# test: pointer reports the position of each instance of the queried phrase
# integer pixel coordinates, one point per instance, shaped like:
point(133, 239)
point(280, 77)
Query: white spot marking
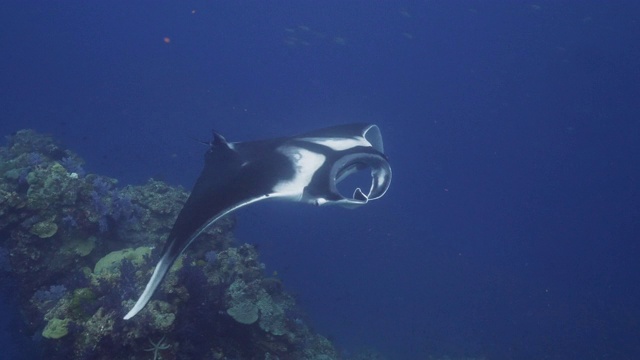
point(305, 163)
point(339, 144)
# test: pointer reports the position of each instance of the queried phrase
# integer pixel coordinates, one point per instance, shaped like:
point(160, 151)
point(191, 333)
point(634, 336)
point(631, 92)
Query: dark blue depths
point(512, 128)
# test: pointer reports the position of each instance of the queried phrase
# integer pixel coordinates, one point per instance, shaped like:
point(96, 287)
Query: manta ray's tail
point(159, 273)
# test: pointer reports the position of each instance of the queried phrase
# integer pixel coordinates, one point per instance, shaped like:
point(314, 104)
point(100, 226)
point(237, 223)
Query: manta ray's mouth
point(356, 176)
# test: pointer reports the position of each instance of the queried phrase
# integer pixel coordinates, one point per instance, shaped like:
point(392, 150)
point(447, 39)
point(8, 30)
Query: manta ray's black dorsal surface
point(304, 168)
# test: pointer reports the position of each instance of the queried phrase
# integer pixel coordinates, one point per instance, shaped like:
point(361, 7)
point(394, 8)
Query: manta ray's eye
point(354, 177)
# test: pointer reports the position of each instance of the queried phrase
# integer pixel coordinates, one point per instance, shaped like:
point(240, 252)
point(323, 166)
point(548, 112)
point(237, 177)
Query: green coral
point(79, 246)
point(56, 328)
point(272, 315)
point(44, 229)
point(112, 261)
point(160, 198)
point(162, 316)
point(50, 186)
point(27, 140)
point(80, 297)
point(251, 302)
point(245, 312)
point(98, 326)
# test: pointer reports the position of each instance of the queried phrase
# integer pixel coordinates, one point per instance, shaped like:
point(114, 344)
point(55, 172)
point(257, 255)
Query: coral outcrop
point(80, 249)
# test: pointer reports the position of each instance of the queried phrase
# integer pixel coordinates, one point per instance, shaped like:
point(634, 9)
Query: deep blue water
point(513, 128)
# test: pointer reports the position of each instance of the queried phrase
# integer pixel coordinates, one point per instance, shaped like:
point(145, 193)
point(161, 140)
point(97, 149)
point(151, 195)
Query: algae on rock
point(56, 328)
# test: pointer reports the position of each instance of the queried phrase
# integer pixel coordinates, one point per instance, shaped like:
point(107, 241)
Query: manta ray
point(304, 168)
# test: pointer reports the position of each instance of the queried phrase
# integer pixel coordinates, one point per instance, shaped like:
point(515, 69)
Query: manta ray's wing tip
point(158, 274)
point(136, 308)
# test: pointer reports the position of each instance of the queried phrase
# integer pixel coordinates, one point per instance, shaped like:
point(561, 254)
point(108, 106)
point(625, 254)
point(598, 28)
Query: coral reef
point(81, 249)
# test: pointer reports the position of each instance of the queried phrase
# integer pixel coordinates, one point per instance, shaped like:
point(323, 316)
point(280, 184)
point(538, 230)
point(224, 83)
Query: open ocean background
point(512, 227)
